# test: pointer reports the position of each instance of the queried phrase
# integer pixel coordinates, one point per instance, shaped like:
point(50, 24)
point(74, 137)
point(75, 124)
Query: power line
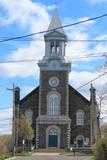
point(91, 81)
point(69, 40)
point(64, 26)
point(68, 58)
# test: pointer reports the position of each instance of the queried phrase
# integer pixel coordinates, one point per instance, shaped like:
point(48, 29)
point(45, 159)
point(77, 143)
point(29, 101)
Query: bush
point(5, 144)
point(3, 148)
point(99, 149)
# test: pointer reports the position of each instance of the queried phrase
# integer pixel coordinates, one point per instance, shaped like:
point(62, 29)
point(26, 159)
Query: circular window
point(54, 82)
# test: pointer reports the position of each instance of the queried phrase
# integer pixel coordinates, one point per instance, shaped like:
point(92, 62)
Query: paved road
point(55, 157)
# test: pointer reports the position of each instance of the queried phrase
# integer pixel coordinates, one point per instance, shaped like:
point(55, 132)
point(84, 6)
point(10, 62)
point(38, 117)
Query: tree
point(100, 150)
point(104, 130)
point(5, 143)
point(25, 130)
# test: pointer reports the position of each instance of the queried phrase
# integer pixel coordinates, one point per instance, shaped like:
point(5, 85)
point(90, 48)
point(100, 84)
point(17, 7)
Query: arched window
point(53, 131)
point(80, 117)
point(52, 48)
point(53, 104)
point(57, 48)
point(28, 115)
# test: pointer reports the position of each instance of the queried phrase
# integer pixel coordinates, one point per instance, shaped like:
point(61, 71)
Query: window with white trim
point(80, 118)
point(28, 115)
point(53, 102)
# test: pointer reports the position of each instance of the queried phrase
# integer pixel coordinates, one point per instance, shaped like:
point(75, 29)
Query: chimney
point(92, 95)
point(17, 95)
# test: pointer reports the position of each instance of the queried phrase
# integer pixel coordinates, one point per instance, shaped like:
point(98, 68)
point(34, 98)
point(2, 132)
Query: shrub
point(99, 149)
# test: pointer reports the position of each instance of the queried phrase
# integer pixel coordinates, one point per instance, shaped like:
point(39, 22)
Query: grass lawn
point(27, 154)
point(3, 157)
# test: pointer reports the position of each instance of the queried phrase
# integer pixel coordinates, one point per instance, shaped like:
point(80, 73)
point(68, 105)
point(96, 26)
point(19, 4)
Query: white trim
point(68, 135)
point(47, 135)
point(37, 136)
point(77, 138)
point(48, 104)
point(51, 82)
point(80, 117)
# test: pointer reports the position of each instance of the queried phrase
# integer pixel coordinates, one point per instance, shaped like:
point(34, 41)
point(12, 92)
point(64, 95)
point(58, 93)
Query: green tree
point(104, 130)
point(25, 130)
point(101, 145)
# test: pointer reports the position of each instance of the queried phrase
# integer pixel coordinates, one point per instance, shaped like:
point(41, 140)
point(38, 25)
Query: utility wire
point(91, 81)
point(69, 40)
point(64, 26)
point(68, 58)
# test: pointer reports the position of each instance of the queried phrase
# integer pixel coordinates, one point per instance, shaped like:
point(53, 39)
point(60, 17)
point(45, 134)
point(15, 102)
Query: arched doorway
point(80, 141)
point(53, 137)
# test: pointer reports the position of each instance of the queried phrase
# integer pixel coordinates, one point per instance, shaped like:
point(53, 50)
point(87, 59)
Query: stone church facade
point(59, 114)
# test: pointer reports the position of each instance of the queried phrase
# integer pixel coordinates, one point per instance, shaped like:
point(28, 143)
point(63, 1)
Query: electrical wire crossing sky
point(22, 45)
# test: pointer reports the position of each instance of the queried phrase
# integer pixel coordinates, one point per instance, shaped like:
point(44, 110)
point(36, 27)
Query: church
point(59, 114)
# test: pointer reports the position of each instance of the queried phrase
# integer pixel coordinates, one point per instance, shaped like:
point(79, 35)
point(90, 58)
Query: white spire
point(55, 22)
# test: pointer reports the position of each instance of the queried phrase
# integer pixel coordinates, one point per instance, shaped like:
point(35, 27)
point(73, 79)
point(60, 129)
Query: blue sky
point(21, 17)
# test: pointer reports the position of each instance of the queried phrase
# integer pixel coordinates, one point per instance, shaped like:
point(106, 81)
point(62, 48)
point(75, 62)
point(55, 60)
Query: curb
point(45, 154)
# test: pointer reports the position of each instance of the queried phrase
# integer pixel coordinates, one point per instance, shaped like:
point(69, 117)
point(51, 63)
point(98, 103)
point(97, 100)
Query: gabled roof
point(29, 95)
point(79, 94)
point(55, 23)
point(70, 88)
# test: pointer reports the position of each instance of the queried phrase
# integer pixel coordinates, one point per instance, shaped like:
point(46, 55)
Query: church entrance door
point(80, 143)
point(53, 138)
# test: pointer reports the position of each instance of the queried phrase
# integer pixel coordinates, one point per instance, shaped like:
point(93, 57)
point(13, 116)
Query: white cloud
point(24, 13)
point(6, 121)
point(78, 79)
point(34, 17)
point(78, 32)
point(34, 50)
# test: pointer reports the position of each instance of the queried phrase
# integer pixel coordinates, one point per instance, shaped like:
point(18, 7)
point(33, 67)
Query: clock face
point(53, 81)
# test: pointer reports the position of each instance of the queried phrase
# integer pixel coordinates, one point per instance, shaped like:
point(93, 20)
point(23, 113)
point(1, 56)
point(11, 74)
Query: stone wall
point(76, 102)
point(45, 88)
point(31, 101)
point(42, 135)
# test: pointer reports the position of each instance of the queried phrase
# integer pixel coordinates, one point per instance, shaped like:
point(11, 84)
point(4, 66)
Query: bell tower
point(53, 122)
point(55, 39)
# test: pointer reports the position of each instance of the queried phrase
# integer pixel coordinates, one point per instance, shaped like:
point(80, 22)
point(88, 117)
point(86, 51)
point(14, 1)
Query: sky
point(22, 17)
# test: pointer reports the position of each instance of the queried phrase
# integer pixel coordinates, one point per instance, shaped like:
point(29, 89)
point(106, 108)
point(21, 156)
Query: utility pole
point(13, 119)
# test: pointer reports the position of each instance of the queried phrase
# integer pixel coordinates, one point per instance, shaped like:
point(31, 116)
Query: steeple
point(55, 44)
point(55, 22)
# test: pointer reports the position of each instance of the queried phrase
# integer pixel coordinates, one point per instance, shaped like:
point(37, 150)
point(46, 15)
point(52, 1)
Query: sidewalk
point(45, 154)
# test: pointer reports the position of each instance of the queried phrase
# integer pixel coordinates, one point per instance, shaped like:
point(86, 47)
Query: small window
point(28, 115)
point(80, 117)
